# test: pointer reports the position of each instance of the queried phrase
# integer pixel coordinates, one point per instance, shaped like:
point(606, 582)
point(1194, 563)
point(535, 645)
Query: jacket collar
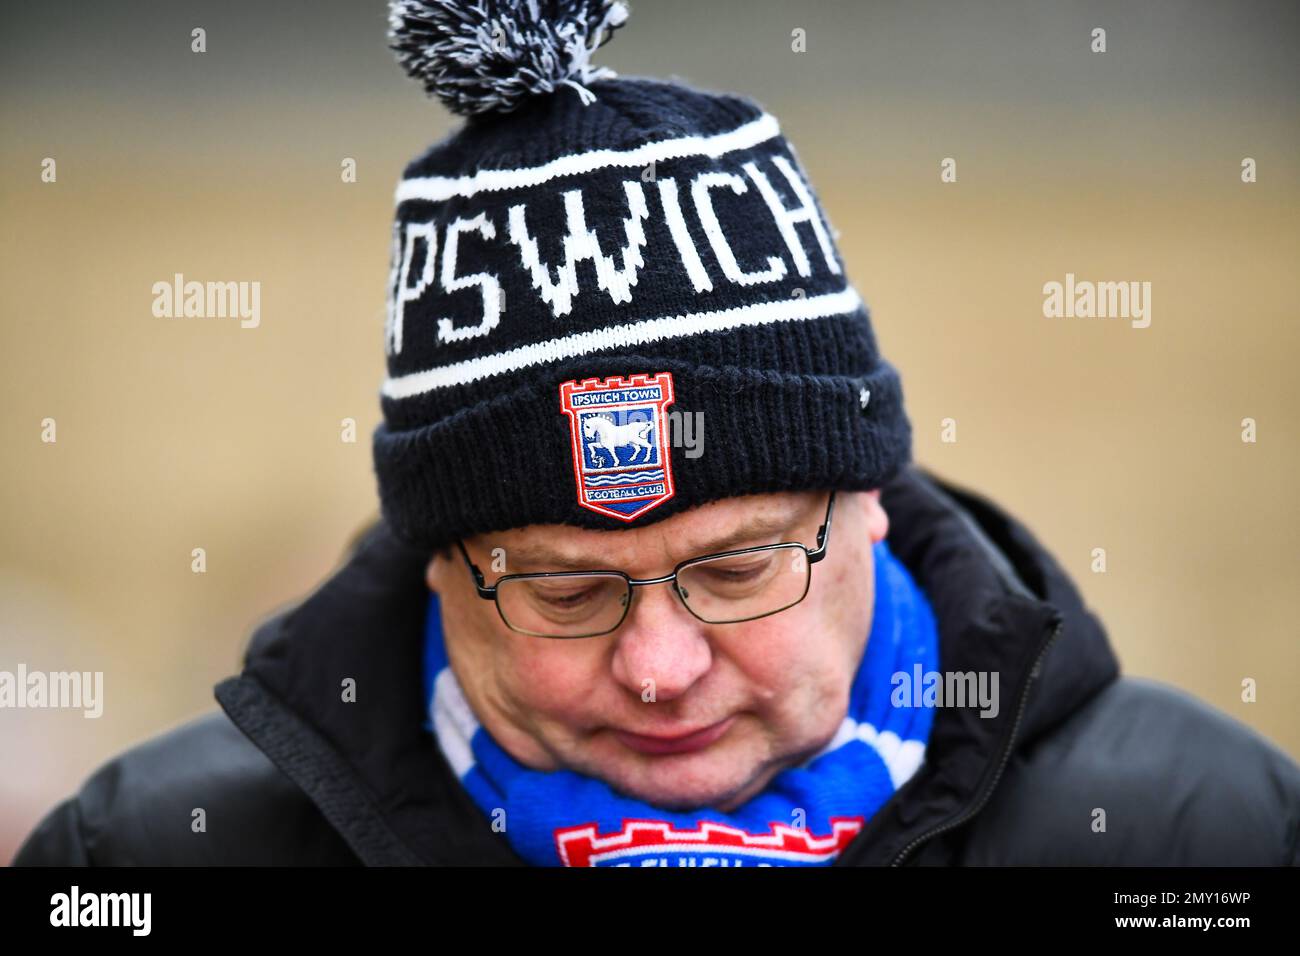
point(1001, 603)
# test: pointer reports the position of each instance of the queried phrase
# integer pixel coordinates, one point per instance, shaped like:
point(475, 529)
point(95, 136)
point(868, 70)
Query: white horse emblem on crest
point(601, 433)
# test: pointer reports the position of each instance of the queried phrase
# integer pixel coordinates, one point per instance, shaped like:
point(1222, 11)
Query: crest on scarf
point(659, 843)
point(619, 441)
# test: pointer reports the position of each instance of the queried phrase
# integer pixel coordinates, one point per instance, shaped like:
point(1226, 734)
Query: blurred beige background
point(176, 434)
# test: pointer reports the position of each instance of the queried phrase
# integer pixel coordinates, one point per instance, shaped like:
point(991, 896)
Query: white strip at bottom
point(622, 336)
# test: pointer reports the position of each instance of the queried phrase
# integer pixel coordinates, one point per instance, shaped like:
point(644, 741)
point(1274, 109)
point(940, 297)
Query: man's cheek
point(773, 659)
point(546, 685)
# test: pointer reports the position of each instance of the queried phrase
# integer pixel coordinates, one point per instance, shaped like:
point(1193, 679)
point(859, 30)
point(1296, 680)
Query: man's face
point(772, 691)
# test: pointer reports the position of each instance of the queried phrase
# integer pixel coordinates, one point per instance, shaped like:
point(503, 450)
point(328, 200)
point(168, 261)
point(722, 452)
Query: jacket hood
point(1001, 602)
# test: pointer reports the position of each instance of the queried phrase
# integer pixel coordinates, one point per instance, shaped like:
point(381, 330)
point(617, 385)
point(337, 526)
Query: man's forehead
point(716, 526)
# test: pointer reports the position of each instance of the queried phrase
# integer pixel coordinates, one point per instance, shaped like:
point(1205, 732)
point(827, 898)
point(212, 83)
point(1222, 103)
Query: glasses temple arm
point(823, 532)
point(488, 593)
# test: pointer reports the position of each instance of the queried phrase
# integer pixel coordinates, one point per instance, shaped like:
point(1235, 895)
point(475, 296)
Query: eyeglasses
point(723, 588)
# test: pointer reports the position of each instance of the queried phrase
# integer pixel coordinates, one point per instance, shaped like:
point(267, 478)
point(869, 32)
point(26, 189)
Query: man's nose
point(661, 649)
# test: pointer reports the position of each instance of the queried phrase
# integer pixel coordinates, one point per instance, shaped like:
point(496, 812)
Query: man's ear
point(441, 562)
point(433, 570)
point(877, 519)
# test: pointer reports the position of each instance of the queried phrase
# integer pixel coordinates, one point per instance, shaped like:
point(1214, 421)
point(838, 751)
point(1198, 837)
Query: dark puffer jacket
point(289, 774)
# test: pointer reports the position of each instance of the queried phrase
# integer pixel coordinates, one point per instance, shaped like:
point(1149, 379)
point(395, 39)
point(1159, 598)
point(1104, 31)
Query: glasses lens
point(564, 605)
point(738, 587)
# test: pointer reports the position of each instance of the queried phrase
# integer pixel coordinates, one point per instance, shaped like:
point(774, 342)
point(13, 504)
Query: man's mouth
point(676, 744)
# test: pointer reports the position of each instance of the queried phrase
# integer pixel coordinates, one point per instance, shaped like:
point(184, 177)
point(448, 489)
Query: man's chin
point(685, 801)
point(722, 776)
point(682, 788)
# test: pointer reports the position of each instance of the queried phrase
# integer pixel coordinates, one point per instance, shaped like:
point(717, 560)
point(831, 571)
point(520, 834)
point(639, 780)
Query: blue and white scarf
point(805, 816)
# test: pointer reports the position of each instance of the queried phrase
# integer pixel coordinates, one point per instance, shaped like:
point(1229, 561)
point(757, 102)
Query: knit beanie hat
point(611, 299)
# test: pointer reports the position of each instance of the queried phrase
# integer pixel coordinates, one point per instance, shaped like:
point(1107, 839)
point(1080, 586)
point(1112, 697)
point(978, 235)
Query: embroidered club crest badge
point(618, 430)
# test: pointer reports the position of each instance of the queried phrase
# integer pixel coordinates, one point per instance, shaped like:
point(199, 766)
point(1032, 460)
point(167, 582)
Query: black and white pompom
point(491, 55)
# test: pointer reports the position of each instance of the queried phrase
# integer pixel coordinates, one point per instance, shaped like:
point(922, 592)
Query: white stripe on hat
point(438, 188)
point(622, 336)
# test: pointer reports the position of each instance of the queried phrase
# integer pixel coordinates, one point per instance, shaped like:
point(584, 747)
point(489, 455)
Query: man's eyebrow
point(545, 557)
point(764, 527)
point(542, 558)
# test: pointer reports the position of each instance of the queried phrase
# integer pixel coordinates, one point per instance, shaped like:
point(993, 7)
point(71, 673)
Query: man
point(656, 583)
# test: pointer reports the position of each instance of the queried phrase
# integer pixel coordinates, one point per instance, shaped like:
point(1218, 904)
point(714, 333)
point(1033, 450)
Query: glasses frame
point(813, 555)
